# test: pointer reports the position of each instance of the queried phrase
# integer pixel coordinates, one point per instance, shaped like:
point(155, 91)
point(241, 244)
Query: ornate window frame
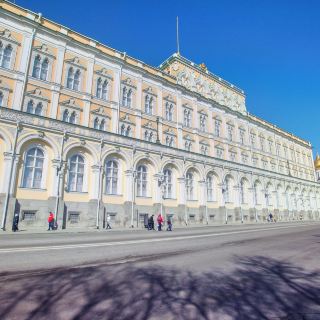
point(44, 53)
point(128, 85)
point(70, 105)
point(37, 97)
point(4, 88)
point(7, 39)
point(76, 65)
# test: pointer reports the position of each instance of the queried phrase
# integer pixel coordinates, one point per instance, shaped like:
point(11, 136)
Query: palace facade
point(88, 131)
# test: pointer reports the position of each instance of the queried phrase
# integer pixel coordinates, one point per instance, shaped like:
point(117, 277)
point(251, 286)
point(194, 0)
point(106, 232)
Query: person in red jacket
point(160, 221)
point(50, 221)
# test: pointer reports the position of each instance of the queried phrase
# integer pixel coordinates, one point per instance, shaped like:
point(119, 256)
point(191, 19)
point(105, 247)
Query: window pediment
point(204, 142)
point(101, 112)
point(169, 132)
point(43, 49)
point(104, 73)
point(75, 62)
point(149, 91)
point(149, 126)
point(37, 94)
point(4, 86)
point(71, 103)
point(203, 112)
point(126, 119)
point(5, 34)
point(188, 137)
point(230, 123)
point(128, 82)
point(169, 98)
point(187, 106)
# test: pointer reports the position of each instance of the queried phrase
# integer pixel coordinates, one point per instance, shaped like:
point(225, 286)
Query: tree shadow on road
point(258, 288)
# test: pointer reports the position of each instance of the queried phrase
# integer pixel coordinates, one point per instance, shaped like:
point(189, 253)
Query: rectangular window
point(241, 136)
point(74, 217)
point(29, 215)
point(217, 125)
point(230, 133)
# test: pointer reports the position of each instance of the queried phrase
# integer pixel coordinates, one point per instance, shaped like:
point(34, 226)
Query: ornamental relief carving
point(211, 90)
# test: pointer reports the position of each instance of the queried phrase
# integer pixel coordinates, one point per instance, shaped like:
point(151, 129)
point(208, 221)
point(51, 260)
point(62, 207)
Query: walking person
point(51, 221)
point(151, 223)
point(15, 222)
point(108, 222)
point(160, 221)
point(169, 224)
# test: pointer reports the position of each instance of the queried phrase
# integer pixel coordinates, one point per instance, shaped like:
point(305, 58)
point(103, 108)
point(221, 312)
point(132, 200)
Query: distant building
point(87, 130)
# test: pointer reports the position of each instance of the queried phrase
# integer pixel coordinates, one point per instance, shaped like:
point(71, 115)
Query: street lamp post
point(133, 196)
point(223, 190)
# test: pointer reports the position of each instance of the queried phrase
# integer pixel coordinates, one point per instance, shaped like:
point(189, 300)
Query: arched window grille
point(65, 116)
point(72, 118)
point(124, 96)
point(38, 110)
point(112, 171)
point(30, 106)
point(99, 88)
point(189, 186)
point(148, 104)
point(36, 67)
point(44, 69)
point(33, 167)
point(102, 125)
point(6, 57)
point(76, 172)
point(210, 188)
point(129, 98)
point(76, 82)
point(105, 90)
point(142, 181)
point(70, 78)
point(96, 123)
point(167, 173)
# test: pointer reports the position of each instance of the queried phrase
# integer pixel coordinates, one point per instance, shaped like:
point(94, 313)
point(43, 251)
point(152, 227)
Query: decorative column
point(116, 98)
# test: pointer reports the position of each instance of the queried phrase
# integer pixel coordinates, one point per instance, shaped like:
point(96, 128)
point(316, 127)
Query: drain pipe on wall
point(13, 156)
point(64, 138)
point(99, 184)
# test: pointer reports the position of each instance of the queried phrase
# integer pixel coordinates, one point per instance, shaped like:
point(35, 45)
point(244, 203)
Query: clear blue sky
point(270, 49)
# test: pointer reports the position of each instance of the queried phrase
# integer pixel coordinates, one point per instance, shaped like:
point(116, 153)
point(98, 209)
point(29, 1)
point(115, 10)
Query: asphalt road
point(268, 271)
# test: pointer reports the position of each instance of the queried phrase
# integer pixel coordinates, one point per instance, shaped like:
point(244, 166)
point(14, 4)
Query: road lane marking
point(141, 241)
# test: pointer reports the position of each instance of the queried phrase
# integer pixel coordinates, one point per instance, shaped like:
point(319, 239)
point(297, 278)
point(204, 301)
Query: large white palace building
point(87, 130)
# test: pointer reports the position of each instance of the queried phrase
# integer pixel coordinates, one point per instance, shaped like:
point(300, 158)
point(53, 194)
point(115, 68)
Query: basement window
point(29, 216)
point(74, 217)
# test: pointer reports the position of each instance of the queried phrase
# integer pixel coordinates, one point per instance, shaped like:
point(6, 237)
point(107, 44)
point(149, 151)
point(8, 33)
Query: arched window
point(167, 184)
point(210, 188)
point(102, 125)
point(255, 194)
point(7, 56)
point(76, 171)
point(227, 190)
point(129, 98)
point(123, 130)
point(1, 53)
point(242, 191)
point(187, 145)
point(33, 166)
point(65, 116)
point(72, 118)
point(148, 104)
point(76, 80)
point(44, 69)
point(36, 67)
point(169, 111)
point(96, 123)
point(99, 88)
point(1, 99)
point(189, 186)
point(142, 181)
point(105, 90)
point(128, 131)
point(30, 106)
point(112, 171)
point(70, 78)
point(38, 110)
point(169, 141)
point(124, 96)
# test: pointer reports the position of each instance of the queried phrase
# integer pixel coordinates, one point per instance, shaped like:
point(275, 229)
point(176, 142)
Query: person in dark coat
point(169, 225)
point(15, 222)
point(151, 223)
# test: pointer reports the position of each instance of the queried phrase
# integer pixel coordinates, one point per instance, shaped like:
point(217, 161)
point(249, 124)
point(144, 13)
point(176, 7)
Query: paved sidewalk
point(140, 229)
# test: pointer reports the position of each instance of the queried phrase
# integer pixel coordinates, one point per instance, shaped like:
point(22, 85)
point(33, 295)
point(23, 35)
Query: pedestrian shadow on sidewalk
point(258, 288)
